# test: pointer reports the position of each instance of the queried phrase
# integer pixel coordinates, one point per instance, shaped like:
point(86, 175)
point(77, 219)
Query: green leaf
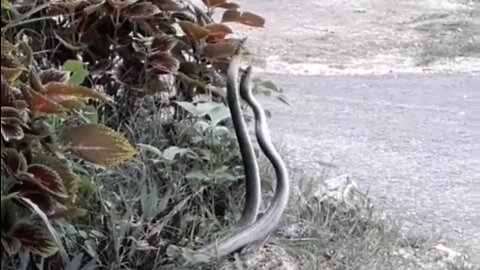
point(171, 152)
point(75, 263)
point(205, 108)
point(222, 175)
point(163, 203)
point(189, 107)
point(219, 114)
point(149, 201)
point(78, 70)
point(149, 148)
point(90, 113)
point(197, 176)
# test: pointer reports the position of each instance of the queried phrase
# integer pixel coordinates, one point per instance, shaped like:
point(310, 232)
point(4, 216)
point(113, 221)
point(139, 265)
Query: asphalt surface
point(413, 140)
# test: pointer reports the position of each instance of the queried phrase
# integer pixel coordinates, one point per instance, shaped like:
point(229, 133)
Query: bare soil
point(366, 36)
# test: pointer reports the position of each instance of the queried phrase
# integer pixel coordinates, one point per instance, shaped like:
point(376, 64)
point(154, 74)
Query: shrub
point(38, 184)
point(132, 49)
point(64, 60)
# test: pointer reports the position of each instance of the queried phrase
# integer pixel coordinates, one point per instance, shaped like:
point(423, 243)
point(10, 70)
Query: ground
point(408, 139)
point(399, 113)
point(367, 36)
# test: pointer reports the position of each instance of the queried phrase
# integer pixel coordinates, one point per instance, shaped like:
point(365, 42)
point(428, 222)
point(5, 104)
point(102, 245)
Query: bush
point(153, 69)
point(131, 47)
point(38, 183)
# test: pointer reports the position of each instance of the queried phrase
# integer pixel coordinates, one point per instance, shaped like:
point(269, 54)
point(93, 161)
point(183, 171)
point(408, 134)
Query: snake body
point(267, 222)
point(270, 219)
point(252, 175)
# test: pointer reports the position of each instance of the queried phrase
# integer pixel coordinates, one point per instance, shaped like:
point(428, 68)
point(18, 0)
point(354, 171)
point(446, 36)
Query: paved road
point(413, 140)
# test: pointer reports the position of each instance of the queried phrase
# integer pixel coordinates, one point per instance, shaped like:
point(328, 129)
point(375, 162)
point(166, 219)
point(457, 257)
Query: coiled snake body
point(266, 223)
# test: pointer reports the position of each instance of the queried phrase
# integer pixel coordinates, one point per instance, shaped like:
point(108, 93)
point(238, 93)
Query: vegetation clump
point(78, 74)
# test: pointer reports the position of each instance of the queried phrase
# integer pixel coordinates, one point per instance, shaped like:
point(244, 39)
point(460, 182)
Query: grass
point(364, 239)
point(451, 37)
point(149, 213)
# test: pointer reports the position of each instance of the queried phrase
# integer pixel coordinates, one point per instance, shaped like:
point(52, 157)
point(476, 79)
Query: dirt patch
point(448, 35)
point(368, 34)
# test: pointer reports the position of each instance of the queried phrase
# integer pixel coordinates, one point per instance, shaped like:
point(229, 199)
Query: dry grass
point(448, 37)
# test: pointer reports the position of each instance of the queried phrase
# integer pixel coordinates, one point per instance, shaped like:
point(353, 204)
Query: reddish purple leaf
point(193, 31)
point(231, 15)
point(143, 10)
point(7, 95)
point(34, 238)
point(47, 179)
point(228, 6)
point(252, 19)
point(121, 4)
point(12, 132)
point(164, 63)
point(43, 201)
point(11, 124)
point(53, 75)
point(163, 43)
point(13, 161)
point(213, 3)
point(37, 196)
point(170, 5)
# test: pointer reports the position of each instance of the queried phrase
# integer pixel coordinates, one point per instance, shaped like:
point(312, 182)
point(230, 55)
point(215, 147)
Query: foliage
point(68, 66)
point(132, 48)
point(181, 192)
point(38, 184)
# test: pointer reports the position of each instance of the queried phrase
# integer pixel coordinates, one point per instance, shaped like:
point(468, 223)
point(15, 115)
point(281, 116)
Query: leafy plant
point(133, 61)
point(132, 49)
point(38, 184)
